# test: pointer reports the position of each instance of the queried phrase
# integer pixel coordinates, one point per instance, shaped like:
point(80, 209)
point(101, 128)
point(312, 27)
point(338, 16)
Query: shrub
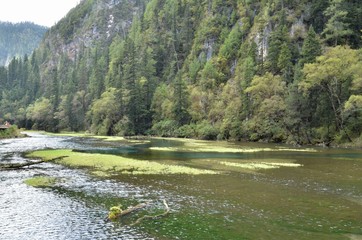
point(165, 128)
point(186, 131)
point(206, 131)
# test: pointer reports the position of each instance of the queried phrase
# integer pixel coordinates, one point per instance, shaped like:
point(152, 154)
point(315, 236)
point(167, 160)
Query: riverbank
point(355, 144)
point(11, 132)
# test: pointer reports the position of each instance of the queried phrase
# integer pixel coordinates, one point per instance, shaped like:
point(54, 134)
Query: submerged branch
point(116, 212)
point(16, 166)
point(132, 209)
point(167, 210)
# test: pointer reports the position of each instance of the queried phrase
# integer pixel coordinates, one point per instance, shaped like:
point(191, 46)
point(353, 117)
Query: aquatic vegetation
point(249, 165)
point(104, 138)
point(66, 134)
point(284, 164)
point(41, 181)
point(261, 165)
point(192, 145)
point(206, 149)
point(319, 201)
point(116, 164)
point(114, 212)
point(218, 149)
point(110, 138)
point(87, 135)
point(137, 141)
point(101, 174)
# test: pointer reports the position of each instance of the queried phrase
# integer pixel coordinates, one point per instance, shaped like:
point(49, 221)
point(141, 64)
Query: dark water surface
point(321, 199)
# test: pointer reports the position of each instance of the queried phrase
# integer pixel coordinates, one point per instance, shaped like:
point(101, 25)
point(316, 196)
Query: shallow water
point(70, 210)
point(322, 199)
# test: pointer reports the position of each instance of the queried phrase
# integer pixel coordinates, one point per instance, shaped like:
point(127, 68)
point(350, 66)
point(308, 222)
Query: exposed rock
point(262, 41)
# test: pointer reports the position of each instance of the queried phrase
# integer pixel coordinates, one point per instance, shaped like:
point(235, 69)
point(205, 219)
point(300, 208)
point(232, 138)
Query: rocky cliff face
point(92, 23)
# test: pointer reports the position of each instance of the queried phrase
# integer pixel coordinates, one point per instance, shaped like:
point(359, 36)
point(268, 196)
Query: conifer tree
point(276, 41)
point(285, 62)
point(181, 102)
point(311, 47)
point(337, 29)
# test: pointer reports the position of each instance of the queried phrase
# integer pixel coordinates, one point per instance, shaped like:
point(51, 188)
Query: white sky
point(41, 12)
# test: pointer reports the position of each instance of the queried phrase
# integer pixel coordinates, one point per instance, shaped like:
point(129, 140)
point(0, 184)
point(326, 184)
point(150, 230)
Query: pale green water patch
point(242, 166)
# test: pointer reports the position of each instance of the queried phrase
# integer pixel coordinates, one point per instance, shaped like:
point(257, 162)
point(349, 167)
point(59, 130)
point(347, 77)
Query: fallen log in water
point(16, 166)
point(116, 212)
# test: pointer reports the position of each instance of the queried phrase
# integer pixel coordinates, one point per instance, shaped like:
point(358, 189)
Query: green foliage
point(114, 212)
point(267, 93)
point(162, 103)
point(317, 11)
point(352, 113)
point(68, 25)
point(232, 43)
point(285, 62)
point(103, 113)
point(186, 131)
point(204, 69)
point(337, 29)
point(11, 132)
point(41, 114)
point(279, 40)
point(333, 74)
point(165, 128)
point(311, 47)
point(206, 131)
point(181, 103)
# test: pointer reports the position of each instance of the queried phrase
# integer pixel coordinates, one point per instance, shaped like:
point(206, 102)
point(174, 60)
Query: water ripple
point(41, 213)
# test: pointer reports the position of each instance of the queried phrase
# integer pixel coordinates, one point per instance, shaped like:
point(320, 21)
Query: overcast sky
point(42, 12)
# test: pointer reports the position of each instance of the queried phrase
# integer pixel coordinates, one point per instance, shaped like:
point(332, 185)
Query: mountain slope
point(207, 69)
point(18, 39)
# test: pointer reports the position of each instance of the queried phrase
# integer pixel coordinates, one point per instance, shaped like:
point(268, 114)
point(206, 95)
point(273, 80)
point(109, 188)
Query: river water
point(321, 199)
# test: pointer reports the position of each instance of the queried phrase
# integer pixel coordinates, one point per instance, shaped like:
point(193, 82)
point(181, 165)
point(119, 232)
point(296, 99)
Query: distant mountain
point(18, 39)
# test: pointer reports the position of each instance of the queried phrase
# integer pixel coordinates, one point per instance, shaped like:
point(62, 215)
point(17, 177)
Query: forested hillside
point(270, 70)
point(18, 39)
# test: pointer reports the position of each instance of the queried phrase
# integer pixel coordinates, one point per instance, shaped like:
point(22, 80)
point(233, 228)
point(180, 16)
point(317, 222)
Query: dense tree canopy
point(282, 71)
